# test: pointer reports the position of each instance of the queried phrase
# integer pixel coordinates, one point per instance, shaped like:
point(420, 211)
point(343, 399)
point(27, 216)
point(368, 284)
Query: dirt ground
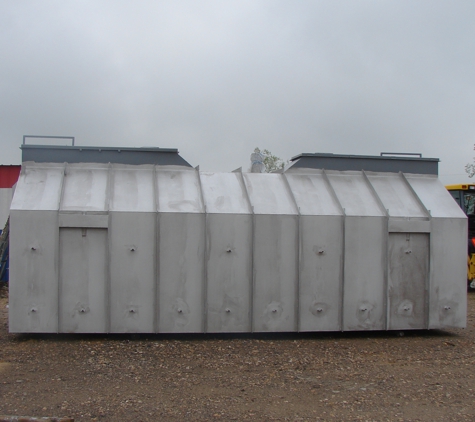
point(423, 376)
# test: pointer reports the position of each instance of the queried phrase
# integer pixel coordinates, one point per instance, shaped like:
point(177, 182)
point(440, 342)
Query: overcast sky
point(215, 79)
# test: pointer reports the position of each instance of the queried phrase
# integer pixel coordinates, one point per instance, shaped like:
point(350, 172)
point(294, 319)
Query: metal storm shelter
point(157, 246)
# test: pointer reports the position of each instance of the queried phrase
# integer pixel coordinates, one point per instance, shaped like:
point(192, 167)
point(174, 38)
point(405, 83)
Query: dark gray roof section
point(384, 163)
point(77, 154)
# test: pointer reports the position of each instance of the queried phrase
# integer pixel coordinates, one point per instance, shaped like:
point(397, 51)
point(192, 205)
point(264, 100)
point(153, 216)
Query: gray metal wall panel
point(408, 260)
point(229, 251)
point(321, 272)
point(33, 299)
point(181, 272)
point(275, 273)
point(448, 273)
point(83, 266)
point(132, 271)
point(364, 273)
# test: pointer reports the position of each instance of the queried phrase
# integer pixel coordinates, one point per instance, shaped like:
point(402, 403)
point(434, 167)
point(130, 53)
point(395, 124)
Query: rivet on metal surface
point(33, 309)
point(447, 308)
point(132, 311)
point(274, 311)
point(363, 309)
point(228, 310)
point(319, 310)
point(33, 248)
point(408, 251)
point(321, 252)
point(180, 311)
point(132, 249)
point(406, 308)
point(82, 310)
point(228, 250)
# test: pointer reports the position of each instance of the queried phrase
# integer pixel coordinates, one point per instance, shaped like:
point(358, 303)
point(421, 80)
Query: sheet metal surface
point(118, 248)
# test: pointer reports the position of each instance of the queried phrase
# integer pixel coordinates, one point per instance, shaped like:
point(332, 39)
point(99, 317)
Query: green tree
point(470, 168)
point(270, 161)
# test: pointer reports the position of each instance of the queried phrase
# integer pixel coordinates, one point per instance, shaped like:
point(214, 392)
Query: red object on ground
point(9, 176)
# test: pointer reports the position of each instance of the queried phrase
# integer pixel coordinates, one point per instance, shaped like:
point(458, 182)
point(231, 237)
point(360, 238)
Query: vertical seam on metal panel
point(253, 228)
point(57, 251)
point(299, 240)
point(156, 250)
point(343, 232)
point(204, 287)
point(431, 261)
point(108, 252)
point(386, 245)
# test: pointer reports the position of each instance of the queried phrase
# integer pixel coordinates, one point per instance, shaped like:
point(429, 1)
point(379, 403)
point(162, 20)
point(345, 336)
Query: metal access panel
point(132, 269)
point(321, 273)
point(33, 299)
point(408, 260)
point(364, 291)
point(229, 272)
point(83, 274)
point(275, 273)
point(181, 276)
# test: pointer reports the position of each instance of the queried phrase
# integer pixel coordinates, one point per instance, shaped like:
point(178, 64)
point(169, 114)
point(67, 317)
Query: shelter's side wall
point(365, 273)
point(132, 272)
point(275, 273)
point(448, 276)
point(321, 265)
point(229, 272)
point(33, 306)
point(181, 263)
point(234, 266)
point(83, 280)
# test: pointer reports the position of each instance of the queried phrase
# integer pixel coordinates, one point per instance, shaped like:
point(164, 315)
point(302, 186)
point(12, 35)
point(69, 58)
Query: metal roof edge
point(374, 157)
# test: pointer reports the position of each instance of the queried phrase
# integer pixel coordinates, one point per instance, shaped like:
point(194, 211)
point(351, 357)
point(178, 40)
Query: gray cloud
point(215, 79)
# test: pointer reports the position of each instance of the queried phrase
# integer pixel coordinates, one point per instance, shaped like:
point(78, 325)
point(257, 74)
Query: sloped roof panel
point(85, 188)
point(39, 187)
point(269, 194)
point(354, 193)
point(178, 190)
point(224, 193)
point(132, 188)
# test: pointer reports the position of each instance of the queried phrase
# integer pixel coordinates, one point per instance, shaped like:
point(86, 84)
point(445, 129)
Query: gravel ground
point(423, 376)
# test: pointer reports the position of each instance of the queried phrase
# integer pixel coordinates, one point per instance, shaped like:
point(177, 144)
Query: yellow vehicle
point(464, 195)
